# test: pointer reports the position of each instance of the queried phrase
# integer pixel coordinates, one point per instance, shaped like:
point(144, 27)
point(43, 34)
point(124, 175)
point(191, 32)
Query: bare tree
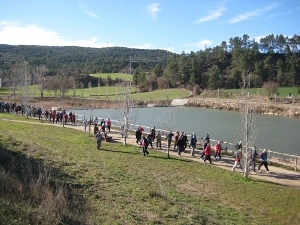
point(23, 71)
point(165, 122)
point(90, 88)
point(127, 113)
point(196, 90)
point(271, 88)
point(249, 130)
point(2, 73)
point(99, 85)
point(107, 89)
point(16, 76)
point(52, 84)
point(82, 88)
point(74, 84)
point(39, 74)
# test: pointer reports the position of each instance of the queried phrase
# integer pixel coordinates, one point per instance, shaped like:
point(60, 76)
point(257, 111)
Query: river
point(280, 134)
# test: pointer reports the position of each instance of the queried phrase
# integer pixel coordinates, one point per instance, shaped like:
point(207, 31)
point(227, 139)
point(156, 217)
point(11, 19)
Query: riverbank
point(258, 106)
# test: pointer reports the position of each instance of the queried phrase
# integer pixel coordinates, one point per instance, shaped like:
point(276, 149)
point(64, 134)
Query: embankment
point(256, 106)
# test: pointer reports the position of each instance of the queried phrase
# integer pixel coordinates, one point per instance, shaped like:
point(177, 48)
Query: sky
point(174, 25)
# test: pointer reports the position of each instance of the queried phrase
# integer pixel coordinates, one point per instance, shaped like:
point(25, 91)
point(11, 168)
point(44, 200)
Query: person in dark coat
point(180, 144)
point(169, 138)
point(138, 136)
point(150, 139)
point(264, 160)
point(253, 157)
point(153, 133)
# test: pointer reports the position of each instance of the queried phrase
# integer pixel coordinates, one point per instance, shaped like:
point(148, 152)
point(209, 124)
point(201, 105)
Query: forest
point(273, 59)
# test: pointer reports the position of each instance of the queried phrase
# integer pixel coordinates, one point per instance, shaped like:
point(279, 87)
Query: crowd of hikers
point(179, 140)
point(50, 115)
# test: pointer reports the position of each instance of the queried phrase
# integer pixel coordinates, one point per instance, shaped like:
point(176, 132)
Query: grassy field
point(109, 92)
point(114, 92)
point(113, 76)
point(117, 185)
point(283, 91)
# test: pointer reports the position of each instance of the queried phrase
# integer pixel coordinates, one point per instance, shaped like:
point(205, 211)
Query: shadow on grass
point(150, 155)
point(35, 192)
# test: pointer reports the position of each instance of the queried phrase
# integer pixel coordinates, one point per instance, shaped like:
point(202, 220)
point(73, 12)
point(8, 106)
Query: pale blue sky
point(174, 25)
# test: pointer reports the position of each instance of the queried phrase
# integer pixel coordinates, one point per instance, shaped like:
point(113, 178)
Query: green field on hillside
point(283, 91)
point(113, 76)
point(108, 92)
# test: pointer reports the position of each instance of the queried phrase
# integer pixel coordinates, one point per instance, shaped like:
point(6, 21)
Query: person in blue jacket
point(264, 160)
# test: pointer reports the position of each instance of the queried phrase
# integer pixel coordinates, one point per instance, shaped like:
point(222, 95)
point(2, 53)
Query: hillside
point(77, 60)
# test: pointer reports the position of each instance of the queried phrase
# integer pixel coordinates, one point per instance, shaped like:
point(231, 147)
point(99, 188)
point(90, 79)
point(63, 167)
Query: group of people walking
point(181, 142)
point(252, 156)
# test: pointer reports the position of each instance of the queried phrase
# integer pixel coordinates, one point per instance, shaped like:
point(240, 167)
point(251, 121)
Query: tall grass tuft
point(27, 187)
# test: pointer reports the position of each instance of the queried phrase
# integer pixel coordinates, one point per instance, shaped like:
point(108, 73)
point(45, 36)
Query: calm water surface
point(280, 134)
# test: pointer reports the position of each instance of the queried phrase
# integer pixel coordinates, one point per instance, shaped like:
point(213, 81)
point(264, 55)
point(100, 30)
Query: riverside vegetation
point(55, 175)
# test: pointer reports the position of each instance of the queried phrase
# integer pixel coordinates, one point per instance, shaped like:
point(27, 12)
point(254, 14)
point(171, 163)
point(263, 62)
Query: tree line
point(82, 60)
point(273, 59)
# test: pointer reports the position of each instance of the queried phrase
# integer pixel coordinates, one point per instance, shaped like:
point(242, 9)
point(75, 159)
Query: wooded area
point(274, 58)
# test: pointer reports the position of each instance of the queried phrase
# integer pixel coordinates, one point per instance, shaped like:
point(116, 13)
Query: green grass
point(121, 186)
point(109, 92)
point(4, 91)
point(113, 76)
point(283, 91)
point(161, 94)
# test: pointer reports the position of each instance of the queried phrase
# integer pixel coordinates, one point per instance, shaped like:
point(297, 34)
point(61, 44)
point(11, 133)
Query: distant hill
point(77, 60)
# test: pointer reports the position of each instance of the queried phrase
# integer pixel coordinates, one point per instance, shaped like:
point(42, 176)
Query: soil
point(69, 103)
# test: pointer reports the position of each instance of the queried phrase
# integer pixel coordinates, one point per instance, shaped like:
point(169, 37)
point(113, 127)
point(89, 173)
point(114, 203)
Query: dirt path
point(276, 175)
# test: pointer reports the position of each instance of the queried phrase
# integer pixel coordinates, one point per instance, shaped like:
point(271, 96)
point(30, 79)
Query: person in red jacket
point(73, 118)
point(218, 149)
point(53, 115)
point(108, 124)
point(66, 118)
point(207, 153)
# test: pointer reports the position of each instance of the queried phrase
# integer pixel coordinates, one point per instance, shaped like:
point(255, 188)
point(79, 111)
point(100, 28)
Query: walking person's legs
point(209, 159)
point(234, 166)
point(193, 151)
point(260, 164)
point(146, 151)
point(253, 165)
point(266, 166)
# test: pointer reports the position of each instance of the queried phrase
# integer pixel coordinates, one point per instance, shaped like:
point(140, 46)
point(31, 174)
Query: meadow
point(117, 185)
point(108, 93)
point(113, 76)
point(282, 91)
point(115, 92)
